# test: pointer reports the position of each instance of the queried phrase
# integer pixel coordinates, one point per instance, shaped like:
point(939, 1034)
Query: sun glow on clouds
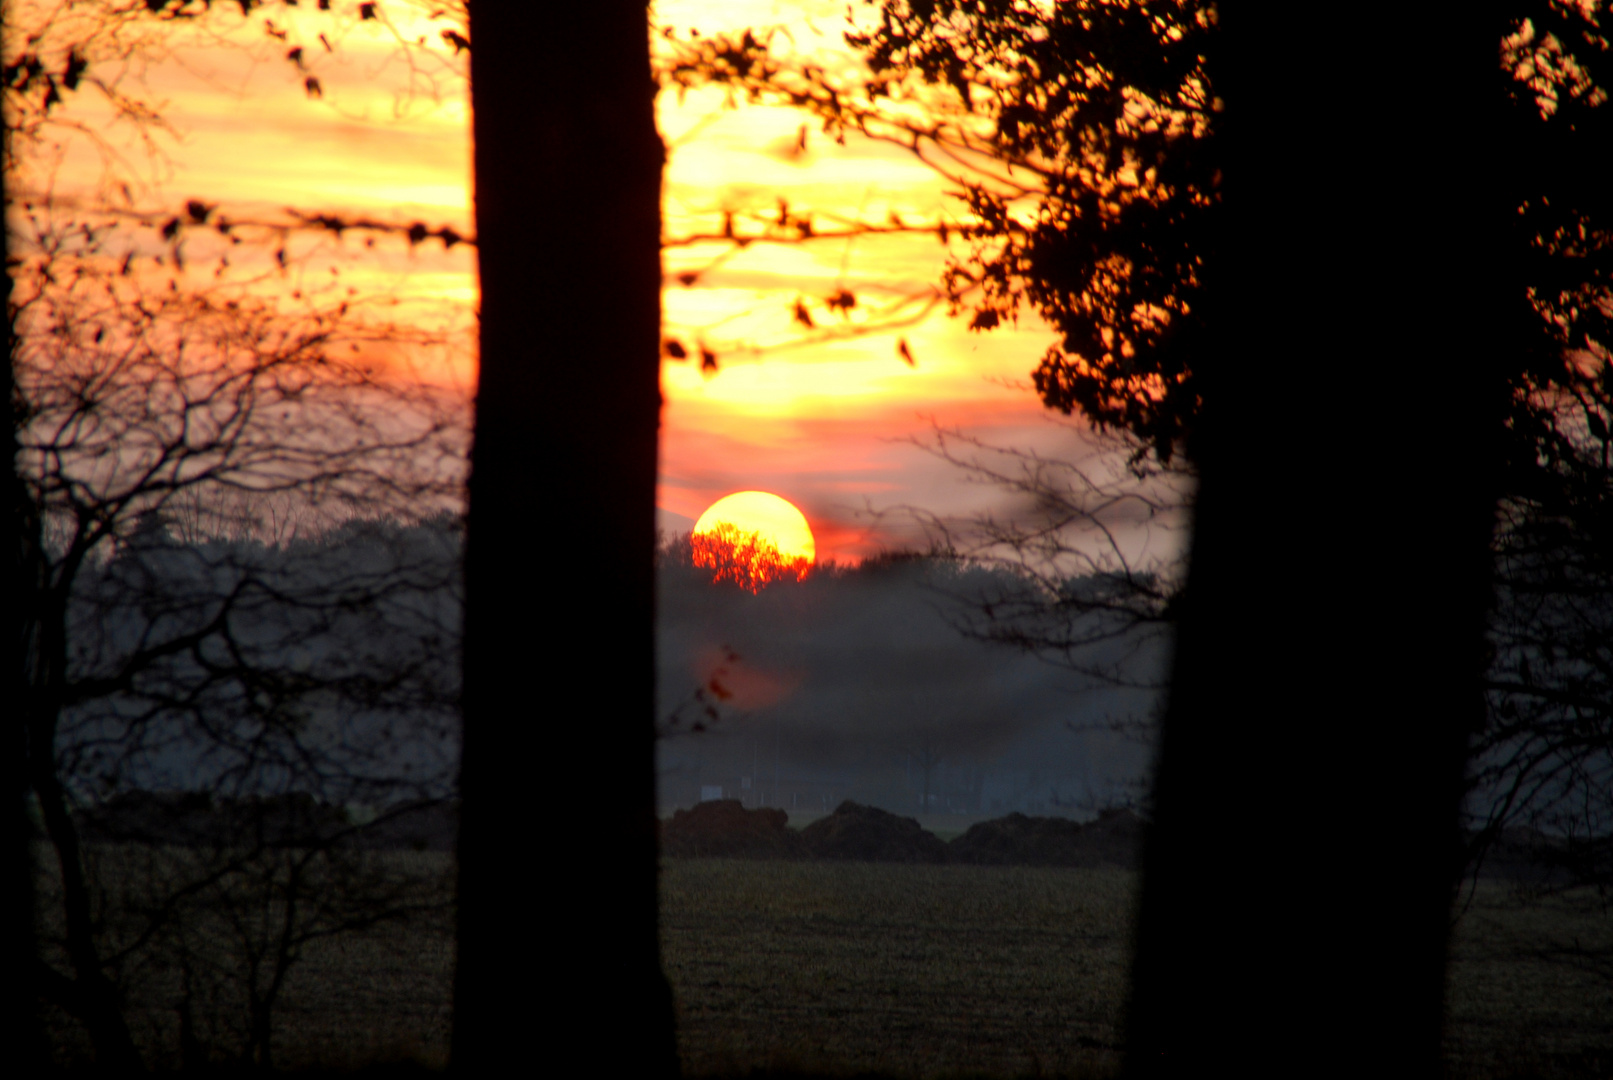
point(385, 140)
point(834, 426)
point(830, 421)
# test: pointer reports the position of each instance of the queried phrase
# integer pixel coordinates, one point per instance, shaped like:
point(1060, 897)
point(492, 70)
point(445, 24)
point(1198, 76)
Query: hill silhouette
point(723, 828)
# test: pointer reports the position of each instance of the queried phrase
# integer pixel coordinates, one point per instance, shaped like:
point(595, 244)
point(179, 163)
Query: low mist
point(867, 683)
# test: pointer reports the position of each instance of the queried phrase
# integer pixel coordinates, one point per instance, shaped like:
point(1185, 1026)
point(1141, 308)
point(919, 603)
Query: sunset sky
point(827, 424)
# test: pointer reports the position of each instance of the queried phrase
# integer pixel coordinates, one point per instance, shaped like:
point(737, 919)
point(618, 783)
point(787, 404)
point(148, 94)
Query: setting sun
point(773, 519)
point(752, 539)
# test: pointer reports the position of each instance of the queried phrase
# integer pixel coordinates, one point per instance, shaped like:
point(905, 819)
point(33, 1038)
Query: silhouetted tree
point(223, 665)
point(1215, 250)
point(147, 405)
point(1194, 185)
point(1293, 698)
point(1544, 760)
point(22, 1027)
point(1090, 561)
point(568, 188)
point(140, 404)
point(744, 559)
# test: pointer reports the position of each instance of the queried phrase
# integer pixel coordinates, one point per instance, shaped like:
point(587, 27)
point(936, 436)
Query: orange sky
point(828, 426)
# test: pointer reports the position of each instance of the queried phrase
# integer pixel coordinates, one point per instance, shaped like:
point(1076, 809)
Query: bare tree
point(205, 907)
point(236, 578)
point(223, 665)
point(1544, 760)
point(1090, 551)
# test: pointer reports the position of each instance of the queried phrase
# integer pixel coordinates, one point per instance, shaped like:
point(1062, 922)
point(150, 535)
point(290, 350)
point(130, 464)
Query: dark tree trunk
point(90, 995)
point(558, 941)
point(23, 1030)
point(1298, 875)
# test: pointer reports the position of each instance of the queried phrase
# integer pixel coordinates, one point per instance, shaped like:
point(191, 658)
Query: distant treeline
point(725, 829)
point(328, 664)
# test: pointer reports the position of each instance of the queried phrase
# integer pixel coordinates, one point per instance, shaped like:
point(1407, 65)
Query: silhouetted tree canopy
point(1394, 227)
point(1098, 212)
point(1083, 138)
point(747, 560)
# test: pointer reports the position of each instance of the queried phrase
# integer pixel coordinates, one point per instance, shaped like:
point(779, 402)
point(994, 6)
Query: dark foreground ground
point(918, 970)
point(1013, 971)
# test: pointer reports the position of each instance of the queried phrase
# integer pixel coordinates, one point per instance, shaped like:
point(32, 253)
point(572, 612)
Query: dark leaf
point(75, 70)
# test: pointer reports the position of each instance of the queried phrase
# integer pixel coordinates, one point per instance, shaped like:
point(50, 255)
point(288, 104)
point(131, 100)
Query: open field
point(1003, 971)
point(906, 970)
point(1530, 987)
point(380, 995)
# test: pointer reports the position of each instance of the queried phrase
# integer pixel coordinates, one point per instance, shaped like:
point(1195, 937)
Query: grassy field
point(906, 970)
point(911, 971)
point(960, 970)
point(1530, 988)
point(381, 995)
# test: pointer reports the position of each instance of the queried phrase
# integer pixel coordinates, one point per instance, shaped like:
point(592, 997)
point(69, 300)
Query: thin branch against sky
point(830, 350)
